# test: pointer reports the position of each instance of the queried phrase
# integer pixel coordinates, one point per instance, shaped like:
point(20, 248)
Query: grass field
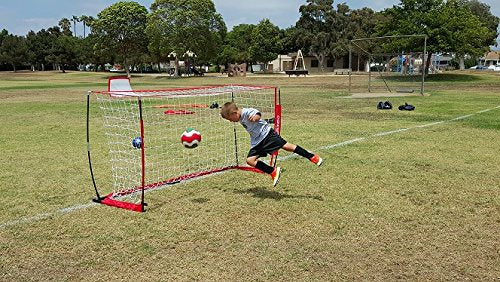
point(401, 195)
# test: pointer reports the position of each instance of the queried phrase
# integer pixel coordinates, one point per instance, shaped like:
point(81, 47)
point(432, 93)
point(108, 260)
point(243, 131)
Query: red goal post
point(158, 118)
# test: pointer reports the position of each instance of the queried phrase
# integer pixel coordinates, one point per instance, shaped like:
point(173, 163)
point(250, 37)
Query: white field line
point(390, 132)
point(38, 217)
point(41, 216)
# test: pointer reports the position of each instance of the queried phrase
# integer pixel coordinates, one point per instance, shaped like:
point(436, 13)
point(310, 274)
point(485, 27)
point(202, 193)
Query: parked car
point(116, 70)
point(478, 67)
point(491, 67)
point(497, 68)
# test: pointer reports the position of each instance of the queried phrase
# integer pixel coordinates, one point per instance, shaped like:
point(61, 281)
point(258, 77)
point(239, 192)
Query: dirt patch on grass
point(375, 95)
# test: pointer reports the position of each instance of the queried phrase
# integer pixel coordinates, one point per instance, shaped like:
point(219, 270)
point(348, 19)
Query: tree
point(97, 56)
point(120, 29)
point(449, 27)
point(14, 50)
point(75, 19)
point(468, 35)
point(39, 44)
point(65, 25)
point(236, 48)
point(313, 30)
point(288, 40)
point(364, 22)
point(483, 13)
point(182, 26)
point(265, 42)
point(3, 34)
point(416, 17)
point(86, 20)
point(322, 30)
point(341, 31)
point(64, 51)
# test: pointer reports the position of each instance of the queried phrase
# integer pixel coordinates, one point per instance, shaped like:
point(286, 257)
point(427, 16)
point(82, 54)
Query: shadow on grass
point(440, 77)
point(263, 193)
point(200, 200)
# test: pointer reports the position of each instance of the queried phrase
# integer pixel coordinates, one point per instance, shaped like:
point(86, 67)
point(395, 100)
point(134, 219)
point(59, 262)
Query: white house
point(491, 58)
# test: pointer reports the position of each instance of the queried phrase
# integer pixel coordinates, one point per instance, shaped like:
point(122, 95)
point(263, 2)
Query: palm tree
point(83, 19)
point(87, 22)
point(65, 25)
point(75, 19)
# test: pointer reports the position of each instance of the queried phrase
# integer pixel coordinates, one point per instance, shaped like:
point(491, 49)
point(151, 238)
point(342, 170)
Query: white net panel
point(396, 72)
point(166, 115)
point(388, 64)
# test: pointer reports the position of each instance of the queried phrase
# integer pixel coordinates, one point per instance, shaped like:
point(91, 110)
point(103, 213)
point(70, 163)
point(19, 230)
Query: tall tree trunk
point(127, 70)
point(14, 67)
point(176, 73)
point(322, 63)
point(428, 63)
point(461, 60)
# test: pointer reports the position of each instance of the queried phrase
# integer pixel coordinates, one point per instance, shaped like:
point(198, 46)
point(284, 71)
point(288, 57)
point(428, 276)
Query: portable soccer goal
point(143, 130)
point(388, 64)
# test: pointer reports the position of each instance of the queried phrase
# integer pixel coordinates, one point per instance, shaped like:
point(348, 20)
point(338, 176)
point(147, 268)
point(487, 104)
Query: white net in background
point(166, 115)
point(388, 64)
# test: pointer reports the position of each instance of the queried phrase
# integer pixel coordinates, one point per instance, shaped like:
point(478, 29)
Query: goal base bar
point(113, 198)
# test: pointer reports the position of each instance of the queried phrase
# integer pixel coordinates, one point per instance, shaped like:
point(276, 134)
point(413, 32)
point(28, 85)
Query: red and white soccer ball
point(190, 138)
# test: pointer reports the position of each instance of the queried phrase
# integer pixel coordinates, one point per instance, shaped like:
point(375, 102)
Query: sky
point(21, 16)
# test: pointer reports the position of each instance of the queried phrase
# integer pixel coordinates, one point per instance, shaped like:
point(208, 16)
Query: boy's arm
point(255, 117)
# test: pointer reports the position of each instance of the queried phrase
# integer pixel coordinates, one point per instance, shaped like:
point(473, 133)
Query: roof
point(493, 55)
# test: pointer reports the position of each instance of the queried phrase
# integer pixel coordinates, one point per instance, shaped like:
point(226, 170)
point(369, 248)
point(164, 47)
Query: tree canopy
point(325, 31)
point(14, 50)
point(182, 26)
point(264, 46)
point(450, 26)
point(120, 29)
point(237, 43)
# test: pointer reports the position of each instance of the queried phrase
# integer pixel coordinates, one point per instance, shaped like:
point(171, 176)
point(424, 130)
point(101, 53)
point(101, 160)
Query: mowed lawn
point(400, 196)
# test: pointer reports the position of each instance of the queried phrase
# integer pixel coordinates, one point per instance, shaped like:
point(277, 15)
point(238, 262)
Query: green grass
point(423, 204)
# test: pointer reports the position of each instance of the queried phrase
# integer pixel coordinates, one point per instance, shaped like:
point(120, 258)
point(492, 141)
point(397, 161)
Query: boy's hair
point(228, 109)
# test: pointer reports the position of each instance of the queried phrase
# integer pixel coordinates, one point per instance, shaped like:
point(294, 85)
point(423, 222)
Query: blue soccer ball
point(137, 142)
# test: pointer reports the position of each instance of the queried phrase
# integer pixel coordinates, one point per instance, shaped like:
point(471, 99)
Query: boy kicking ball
point(263, 139)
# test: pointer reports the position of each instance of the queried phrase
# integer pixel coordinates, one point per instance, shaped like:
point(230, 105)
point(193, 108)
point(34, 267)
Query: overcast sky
point(21, 16)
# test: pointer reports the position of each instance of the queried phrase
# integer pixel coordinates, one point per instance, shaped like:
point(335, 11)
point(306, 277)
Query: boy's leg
point(274, 172)
point(303, 152)
point(254, 162)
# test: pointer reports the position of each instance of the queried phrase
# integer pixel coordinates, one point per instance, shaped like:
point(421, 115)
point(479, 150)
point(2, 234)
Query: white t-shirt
point(258, 130)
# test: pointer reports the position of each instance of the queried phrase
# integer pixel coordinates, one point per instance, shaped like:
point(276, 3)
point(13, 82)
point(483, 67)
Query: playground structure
point(298, 68)
point(236, 70)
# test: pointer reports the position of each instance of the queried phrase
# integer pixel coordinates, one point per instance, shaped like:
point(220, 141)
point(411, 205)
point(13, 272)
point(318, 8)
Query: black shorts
point(272, 143)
